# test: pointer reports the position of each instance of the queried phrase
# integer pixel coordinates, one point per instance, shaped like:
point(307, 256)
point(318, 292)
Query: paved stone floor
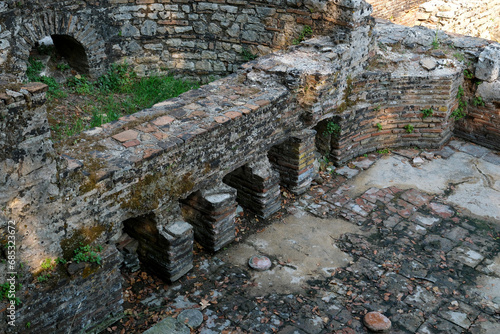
point(414, 235)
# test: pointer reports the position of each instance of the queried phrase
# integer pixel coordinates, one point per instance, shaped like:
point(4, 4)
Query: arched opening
point(61, 56)
point(73, 51)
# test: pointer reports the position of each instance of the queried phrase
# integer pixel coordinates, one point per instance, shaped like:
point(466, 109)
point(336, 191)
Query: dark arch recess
point(73, 51)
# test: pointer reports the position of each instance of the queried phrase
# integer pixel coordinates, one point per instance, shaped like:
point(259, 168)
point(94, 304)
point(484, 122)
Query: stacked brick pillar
point(212, 213)
point(294, 160)
point(258, 187)
point(168, 251)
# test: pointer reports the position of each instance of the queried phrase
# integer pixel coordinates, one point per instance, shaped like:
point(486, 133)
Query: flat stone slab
point(407, 153)
point(445, 152)
point(493, 158)
point(260, 262)
point(347, 172)
point(363, 164)
point(474, 150)
point(170, 326)
point(192, 318)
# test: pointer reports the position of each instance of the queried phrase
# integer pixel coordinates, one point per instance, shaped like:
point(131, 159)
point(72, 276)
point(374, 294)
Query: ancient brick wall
point(390, 113)
point(387, 9)
point(472, 18)
point(481, 125)
point(131, 174)
point(191, 37)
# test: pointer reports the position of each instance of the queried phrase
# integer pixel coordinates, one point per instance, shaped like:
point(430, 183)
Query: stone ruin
point(174, 173)
point(477, 18)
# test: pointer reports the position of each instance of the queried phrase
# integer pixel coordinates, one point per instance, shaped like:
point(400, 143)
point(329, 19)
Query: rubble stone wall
point(199, 38)
point(387, 9)
point(476, 18)
point(132, 173)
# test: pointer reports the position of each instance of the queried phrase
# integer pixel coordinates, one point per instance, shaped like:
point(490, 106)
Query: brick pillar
point(258, 187)
point(168, 250)
point(212, 213)
point(294, 160)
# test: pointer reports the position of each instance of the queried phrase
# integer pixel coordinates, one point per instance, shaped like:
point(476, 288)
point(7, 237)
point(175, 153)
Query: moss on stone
point(149, 191)
point(85, 235)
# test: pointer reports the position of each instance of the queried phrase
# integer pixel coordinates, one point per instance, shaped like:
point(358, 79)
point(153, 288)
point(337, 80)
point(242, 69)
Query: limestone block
point(488, 65)
point(489, 91)
point(129, 30)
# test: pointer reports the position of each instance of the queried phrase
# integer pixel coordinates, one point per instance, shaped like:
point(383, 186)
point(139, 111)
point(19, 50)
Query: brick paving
point(424, 264)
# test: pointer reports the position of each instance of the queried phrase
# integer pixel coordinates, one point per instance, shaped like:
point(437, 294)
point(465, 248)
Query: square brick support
point(294, 159)
point(212, 213)
point(258, 187)
point(166, 250)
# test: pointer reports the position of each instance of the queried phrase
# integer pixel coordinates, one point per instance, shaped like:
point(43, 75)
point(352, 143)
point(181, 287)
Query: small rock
point(377, 322)
point(259, 262)
point(318, 179)
point(407, 153)
point(192, 318)
point(363, 164)
point(427, 155)
point(417, 161)
point(347, 172)
point(73, 268)
point(428, 63)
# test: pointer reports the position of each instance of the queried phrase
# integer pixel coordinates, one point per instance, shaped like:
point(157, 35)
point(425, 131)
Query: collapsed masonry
point(175, 172)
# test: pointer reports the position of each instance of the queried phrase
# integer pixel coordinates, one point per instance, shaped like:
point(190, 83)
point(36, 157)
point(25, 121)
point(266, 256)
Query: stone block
point(212, 213)
point(257, 185)
point(488, 65)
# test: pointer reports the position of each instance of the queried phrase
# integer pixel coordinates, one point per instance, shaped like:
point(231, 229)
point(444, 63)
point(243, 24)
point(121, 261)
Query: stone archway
point(74, 37)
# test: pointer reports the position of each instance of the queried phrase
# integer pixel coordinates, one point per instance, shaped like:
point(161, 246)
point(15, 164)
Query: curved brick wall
point(395, 100)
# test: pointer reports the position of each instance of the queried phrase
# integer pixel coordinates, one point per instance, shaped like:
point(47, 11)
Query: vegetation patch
point(247, 55)
point(427, 113)
point(6, 292)
point(459, 113)
point(305, 33)
point(87, 253)
point(332, 128)
point(79, 103)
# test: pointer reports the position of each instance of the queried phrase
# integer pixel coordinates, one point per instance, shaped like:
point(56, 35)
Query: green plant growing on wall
point(409, 128)
point(305, 33)
point(459, 113)
point(468, 74)
point(43, 277)
point(379, 126)
point(435, 41)
point(427, 113)
point(63, 67)
point(459, 56)
point(87, 253)
point(5, 292)
point(478, 101)
point(384, 151)
point(332, 128)
point(247, 54)
point(47, 264)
